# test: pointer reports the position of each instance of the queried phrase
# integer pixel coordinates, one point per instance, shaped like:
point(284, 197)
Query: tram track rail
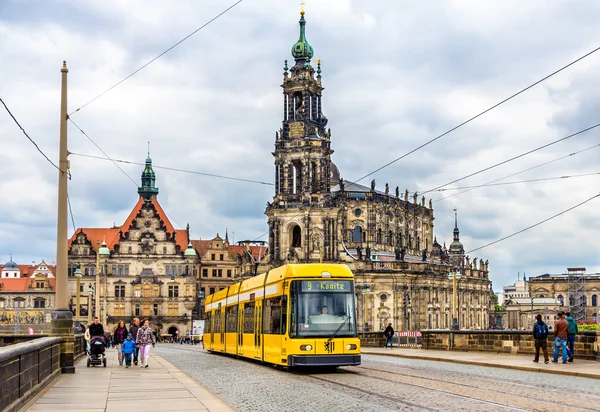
point(398, 400)
point(486, 389)
point(443, 383)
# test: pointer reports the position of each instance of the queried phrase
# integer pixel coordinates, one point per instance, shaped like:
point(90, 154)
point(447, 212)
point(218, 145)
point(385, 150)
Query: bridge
point(186, 377)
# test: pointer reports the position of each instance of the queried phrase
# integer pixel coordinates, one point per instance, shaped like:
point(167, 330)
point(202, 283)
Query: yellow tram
point(293, 315)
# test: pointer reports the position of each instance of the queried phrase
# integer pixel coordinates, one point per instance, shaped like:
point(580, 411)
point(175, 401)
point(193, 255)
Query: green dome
point(302, 50)
point(104, 250)
point(190, 251)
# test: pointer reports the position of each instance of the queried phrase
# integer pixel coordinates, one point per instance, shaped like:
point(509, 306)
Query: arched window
point(582, 300)
point(357, 234)
point(296, 236)
point(594, 300)
point(541, 296)
point(379, 236)
point(390, 238)
point(571, 301)
point(560, 299)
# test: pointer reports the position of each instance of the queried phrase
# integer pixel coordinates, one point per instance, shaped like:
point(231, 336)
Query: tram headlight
point(350, 346)
point(306, 347)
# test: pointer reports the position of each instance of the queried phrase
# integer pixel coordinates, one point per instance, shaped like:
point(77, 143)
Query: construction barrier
point(408, 339)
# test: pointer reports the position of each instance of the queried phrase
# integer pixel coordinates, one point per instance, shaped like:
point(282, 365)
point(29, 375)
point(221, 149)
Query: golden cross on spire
point(302, 5)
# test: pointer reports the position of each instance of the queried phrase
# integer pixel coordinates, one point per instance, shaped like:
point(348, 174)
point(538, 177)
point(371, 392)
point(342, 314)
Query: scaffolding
point(576, 290)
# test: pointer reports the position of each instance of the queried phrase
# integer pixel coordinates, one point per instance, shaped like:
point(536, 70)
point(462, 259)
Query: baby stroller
point(96, 351)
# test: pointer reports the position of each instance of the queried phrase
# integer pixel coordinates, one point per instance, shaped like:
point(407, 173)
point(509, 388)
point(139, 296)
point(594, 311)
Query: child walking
point(127, 349)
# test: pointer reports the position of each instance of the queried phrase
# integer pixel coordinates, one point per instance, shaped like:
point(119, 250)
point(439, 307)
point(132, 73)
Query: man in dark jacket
point(96, 328)
point(389, 334)
point(561, 329)
point(540, 335)
point(133, 328)
point(571, 335)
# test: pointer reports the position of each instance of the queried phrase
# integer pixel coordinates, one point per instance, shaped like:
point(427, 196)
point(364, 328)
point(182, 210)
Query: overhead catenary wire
point(511, 159)
point(521, 171)
point(480, 114)
point(519, 181)
point(532, 226)
point(71, 212)
point(99, 148)
point(174, 169)
point(27, 135)
point(159, 56)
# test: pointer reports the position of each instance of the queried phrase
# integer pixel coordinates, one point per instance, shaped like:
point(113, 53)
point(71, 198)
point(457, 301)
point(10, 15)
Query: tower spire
point(148, 190)
point(302, 50)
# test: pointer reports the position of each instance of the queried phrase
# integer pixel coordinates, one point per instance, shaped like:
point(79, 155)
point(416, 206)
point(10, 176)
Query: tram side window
point(249, 317)
point(207, 328)
point(272, 316)
point(217, 321)
point(231, 319)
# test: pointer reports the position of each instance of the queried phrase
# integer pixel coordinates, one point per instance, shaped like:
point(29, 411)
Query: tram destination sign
point(342, 286)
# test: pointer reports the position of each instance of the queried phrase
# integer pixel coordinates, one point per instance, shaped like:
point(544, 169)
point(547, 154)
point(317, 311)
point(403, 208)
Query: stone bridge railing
point(587, 344)
point(25, 368)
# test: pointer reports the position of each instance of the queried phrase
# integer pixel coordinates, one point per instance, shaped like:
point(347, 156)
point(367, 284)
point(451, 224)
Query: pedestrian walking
point(389, 334)
point(128, 349)
point(145, 339)
point(573, 329)
point(540, 335)
point(561, 328)
point(119, 336)
point(133, 328)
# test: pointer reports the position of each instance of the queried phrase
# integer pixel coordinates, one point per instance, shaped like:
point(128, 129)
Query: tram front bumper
point(323, 360)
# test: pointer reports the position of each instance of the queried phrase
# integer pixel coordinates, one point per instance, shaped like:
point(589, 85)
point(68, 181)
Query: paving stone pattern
point(382, 383)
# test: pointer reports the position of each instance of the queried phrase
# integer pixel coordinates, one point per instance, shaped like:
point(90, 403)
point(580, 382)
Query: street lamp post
point(455, 275)
point(90, 299)
point(531, 325)
point(77, 295)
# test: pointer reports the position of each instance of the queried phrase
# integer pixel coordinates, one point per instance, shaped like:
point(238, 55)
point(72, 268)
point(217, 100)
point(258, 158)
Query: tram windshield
point(320, 308)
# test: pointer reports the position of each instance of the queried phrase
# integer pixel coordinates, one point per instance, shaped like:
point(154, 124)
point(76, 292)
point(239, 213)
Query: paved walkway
point(160, 387)
point(584, 368)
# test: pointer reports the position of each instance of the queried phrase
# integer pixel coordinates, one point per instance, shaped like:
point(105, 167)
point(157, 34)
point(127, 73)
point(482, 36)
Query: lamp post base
point(62, 327)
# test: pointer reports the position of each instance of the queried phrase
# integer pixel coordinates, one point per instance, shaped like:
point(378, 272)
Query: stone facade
point(557, 287)
point(144, 268)
point(28, 299)
point(386, 238)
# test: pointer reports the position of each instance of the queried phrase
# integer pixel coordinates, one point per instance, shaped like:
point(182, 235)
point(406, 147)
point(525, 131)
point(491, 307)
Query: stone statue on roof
point(387, 189)
point(373, 184)
point(397, 192)
point(342, 186)
point(406, 195)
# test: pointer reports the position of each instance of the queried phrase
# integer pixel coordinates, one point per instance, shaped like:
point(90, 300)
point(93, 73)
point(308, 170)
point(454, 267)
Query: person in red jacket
point(561, 330)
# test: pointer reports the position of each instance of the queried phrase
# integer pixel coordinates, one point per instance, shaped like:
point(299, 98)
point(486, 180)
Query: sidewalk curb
point(480, 363)
point(210, 401)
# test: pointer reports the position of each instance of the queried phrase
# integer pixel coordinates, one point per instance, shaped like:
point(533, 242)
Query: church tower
point(148, 190)
point(302, 145)
point(302, 160)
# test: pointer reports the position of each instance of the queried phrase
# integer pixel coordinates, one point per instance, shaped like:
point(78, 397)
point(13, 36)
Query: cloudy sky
point(396, 73)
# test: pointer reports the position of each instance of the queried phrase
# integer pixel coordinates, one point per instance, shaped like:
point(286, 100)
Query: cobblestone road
point(381, 384)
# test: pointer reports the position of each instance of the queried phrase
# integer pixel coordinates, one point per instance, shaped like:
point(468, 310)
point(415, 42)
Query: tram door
point(258, 330)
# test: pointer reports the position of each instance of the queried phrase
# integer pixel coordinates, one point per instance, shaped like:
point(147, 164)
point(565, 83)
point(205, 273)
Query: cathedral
point(386, 237)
